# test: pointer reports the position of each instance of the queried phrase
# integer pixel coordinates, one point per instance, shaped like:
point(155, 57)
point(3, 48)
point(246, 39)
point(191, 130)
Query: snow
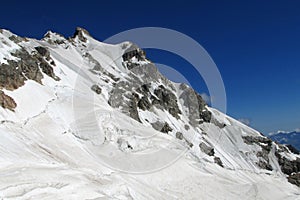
point(7, 47)
point(65, 142)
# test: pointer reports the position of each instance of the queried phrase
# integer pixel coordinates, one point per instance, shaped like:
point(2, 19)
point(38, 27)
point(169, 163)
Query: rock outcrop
point(7, 102)
point(14, 73)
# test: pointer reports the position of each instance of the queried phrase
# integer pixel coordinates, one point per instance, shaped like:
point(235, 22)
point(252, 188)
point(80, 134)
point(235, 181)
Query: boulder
point(207, 149)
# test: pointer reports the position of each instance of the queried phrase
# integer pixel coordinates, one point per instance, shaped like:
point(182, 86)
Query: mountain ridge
point(94, 110)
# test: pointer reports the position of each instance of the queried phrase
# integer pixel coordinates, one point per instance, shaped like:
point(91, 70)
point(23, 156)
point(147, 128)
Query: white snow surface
point(66, 142)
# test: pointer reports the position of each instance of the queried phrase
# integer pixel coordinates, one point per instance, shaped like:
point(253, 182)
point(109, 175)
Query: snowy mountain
point(81, 119)
point(290, 138)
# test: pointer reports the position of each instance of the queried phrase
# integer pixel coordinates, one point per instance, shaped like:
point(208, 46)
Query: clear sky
point(255, 44)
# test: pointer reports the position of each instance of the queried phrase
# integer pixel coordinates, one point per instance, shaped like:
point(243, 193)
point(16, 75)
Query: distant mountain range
point(284, 137)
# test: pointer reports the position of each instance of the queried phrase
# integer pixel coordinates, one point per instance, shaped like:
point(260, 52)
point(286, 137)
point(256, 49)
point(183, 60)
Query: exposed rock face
point(167, 100)
point(196, 106)
point(142, 98)
point(264, 165)
point(28, 67)
point(133, 107)
point(80, 34)
point(133, 52)
point(294, 179)
point(188, 143)
point(144, 103)
point(17, 39)
point(57, 40)
point(11, 75)
point(166, 128)
point(218, 161)
point(7, 102)
point(163, 127)
point(186, 127)
point(143, 75)
point(96, 89)
point(179, 135)
point(256, 140)
point(97, 66)
point(43, 51)
point(287, 165)
point(266, 146)
point(207, 149)
point(205, 115)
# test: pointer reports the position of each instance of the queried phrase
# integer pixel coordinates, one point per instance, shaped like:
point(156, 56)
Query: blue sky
point(255, 44)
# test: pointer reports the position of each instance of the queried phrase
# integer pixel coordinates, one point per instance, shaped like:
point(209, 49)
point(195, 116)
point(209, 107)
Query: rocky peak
point(81, 34)
point(54, 38)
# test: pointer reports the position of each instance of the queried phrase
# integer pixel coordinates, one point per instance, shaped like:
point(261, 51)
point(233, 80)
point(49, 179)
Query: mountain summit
point(81, 119)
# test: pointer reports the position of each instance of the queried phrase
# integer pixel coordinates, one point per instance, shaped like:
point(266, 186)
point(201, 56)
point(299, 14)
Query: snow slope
point(64, 141)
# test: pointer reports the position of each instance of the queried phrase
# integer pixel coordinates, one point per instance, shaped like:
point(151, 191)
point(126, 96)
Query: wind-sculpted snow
point(103, 123)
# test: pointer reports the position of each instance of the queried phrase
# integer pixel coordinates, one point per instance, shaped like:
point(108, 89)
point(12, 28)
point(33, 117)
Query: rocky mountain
point(291, 139)
point(81, 119)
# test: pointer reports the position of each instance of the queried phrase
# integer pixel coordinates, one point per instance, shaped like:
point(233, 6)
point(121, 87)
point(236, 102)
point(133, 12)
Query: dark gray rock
point(60, 39)
point(29, 64)
point(190, 144)
point(207, 149)
point(166, 128)
point(124, 97)
point(96, 89)
point(17, 39)
point(218, 161)
point(79, 32)
point(43, 51)
point(131, 52)
point(144, 103)
point(167, 100)
point(163, 127)
point(266, 146)
point(288, 166)
point(205, 115)
point(134, 51)
point(133, 109)
point(145, 88)
point(157, 125)
point(179, 135)
point(186, 127)
point(294, 179)
point(47, 69)
point(250, 140)
point(203, 112)
point(195, 105)
point(263, 154)
point(91, 59)
point(155, 101)
point(264, 165)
